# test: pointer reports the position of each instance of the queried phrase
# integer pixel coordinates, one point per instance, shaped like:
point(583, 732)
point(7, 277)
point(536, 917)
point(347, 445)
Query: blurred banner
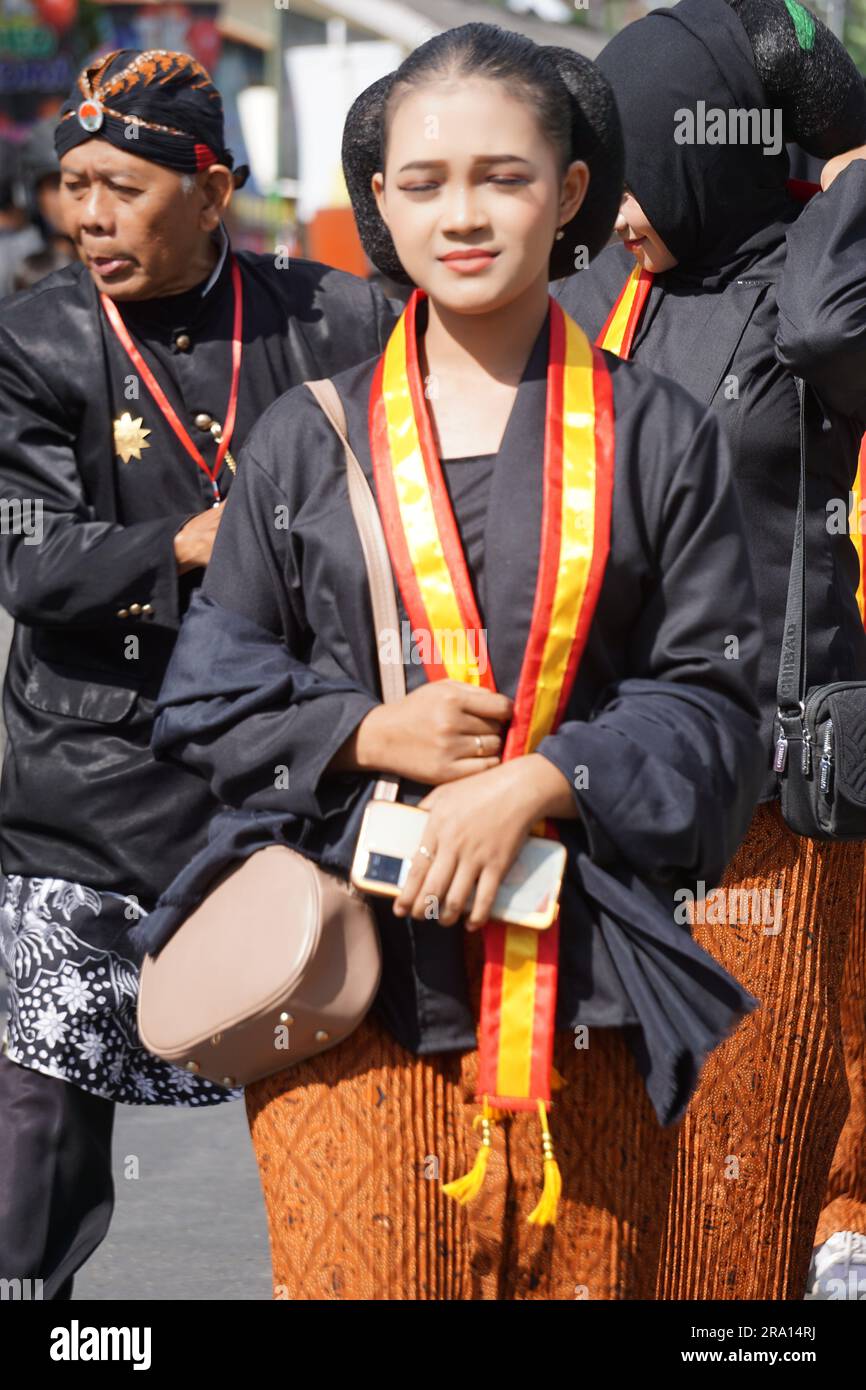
point(40, 44)
point(324, 80)
point(44, 43)
point(257, 108)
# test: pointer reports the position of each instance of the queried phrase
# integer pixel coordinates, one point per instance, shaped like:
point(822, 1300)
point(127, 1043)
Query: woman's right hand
point(438, 733)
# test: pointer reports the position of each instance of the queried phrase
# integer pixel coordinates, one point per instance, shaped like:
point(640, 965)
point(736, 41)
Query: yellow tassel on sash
point(465, 1189)
point(545, 1213)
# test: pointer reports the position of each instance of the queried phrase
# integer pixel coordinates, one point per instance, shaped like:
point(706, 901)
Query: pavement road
point(189, 1221)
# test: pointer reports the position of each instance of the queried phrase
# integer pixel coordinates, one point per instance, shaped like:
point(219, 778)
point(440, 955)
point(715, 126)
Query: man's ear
point(217, 187)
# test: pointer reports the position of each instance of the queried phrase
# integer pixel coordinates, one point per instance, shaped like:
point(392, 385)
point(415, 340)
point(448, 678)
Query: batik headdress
point(159, 105)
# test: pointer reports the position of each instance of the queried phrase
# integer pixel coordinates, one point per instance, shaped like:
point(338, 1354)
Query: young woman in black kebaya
point(573, 516)
point(731, 287)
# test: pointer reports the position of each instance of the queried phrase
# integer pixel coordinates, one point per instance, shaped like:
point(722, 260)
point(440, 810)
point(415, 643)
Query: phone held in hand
point(389, 839)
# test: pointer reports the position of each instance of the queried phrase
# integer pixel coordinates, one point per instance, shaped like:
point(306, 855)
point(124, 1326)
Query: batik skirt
point(73, 990)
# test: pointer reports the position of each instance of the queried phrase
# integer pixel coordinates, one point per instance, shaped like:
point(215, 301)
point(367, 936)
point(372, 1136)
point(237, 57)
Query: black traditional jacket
point(736, 343)
point(96, 598)
point(276, 665)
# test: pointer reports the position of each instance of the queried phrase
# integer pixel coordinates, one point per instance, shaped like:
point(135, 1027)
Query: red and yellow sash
point(617, 335)
point(520, 972)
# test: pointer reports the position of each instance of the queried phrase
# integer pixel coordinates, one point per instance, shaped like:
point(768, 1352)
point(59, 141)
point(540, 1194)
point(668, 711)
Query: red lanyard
point(165, 405)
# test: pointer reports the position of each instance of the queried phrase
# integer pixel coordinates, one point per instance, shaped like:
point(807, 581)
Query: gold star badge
point(129, 437)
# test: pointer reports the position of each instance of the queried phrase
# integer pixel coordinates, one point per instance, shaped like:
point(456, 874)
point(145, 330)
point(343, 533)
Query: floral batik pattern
point(73, 991)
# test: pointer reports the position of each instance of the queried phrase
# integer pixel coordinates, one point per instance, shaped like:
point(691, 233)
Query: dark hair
point(573, 103)
point(501, 55)
point(807, 73)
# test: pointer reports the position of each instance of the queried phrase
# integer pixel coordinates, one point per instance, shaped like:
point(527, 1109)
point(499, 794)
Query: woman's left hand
point(834, 166)
point(475, 830)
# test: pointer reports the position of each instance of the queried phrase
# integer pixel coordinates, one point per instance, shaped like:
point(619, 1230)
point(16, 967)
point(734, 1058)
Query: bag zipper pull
point(781, 756)
point(827, 761)
point(806, 758)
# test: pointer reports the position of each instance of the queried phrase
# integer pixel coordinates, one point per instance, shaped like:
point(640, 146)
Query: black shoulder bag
point(820, 733)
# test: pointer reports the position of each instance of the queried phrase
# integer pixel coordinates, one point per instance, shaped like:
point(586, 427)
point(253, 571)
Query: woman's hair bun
point(807, 73)
point(596, 136)
point(361, 156)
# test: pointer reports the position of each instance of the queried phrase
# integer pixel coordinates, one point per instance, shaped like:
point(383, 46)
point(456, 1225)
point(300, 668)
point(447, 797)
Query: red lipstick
point(469, 260)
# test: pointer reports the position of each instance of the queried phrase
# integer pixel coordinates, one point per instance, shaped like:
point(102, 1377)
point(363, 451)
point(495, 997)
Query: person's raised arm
point(821, 333)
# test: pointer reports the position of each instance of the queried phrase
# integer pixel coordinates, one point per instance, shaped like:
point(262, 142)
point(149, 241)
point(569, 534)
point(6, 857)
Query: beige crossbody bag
point(281, 960)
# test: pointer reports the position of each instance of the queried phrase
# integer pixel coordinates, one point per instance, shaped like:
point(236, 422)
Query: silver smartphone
point(389, 839)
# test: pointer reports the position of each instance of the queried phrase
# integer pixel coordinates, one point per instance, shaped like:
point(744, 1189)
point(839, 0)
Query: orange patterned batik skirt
point(352, 1147)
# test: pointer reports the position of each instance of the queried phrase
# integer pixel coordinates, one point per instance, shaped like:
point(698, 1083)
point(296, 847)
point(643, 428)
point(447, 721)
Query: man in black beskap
point(128, 382)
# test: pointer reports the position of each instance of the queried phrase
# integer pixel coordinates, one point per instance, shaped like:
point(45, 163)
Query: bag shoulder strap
point(792, 682)
point(385, 618)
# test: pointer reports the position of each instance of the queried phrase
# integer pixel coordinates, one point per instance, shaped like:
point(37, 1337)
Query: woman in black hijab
point(726, 284)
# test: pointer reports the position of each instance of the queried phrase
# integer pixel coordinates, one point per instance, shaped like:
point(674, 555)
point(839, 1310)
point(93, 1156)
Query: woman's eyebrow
point(478, 159)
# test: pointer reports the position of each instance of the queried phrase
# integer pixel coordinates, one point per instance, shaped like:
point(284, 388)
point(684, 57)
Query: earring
point(560, 234)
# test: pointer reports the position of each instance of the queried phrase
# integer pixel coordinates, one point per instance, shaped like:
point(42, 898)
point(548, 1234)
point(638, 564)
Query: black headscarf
point(166, 100)
point(716, 207)
point(719, 208)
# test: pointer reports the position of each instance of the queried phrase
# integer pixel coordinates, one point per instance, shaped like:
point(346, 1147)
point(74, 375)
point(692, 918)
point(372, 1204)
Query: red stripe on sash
point(551, 538)
point(604, 468)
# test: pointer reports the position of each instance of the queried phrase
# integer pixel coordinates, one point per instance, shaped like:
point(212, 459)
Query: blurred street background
point(288, 71)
